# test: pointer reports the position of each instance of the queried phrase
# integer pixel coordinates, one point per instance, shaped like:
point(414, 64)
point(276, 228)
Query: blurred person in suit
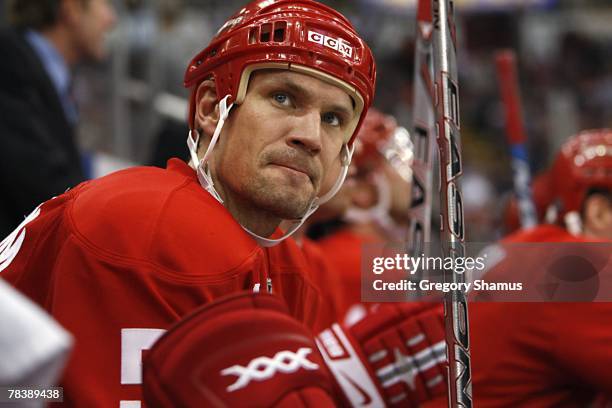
point(39, 156)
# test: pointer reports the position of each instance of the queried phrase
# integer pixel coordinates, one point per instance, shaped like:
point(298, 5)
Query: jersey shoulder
point(542, 233)
point(160, 216)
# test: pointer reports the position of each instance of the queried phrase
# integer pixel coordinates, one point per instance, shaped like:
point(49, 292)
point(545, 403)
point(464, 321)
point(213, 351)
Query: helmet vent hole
point(253, 35)
point(311, 55)
point(266, 32)
point(279, 31)
point(349, 69)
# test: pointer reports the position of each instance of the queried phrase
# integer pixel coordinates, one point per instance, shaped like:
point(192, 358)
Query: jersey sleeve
point(116, 301)
point(326, 278)
point(21, 256)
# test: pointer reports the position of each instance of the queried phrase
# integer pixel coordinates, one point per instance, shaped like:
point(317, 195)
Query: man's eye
point(281, 98)
point(331, 119)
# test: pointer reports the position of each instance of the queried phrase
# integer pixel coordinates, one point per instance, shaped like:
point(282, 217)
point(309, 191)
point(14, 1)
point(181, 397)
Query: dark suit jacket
point(39, 157)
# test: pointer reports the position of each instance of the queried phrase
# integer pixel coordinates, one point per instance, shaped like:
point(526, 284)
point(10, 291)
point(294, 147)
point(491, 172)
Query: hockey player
point(393, 356)
point(276, 99)
point(551, 354)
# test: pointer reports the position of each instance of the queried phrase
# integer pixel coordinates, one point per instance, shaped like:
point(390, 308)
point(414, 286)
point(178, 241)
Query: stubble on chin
point(279, 201)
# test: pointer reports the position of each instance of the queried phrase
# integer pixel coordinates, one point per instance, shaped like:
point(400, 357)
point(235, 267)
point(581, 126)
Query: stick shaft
point(422, 133)
point(451, 204)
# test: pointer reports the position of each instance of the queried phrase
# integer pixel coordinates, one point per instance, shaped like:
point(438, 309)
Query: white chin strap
point(379, 214)
point(206, 181)
point(202, 170)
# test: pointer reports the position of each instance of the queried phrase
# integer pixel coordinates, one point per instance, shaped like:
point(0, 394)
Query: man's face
point(281, 147)
point(96, 19)
point(597, 216)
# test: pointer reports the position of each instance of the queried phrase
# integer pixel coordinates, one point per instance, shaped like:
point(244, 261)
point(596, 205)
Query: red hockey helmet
point(299, 35)
point(382, 138)
point(584, 162)
point(375, 131)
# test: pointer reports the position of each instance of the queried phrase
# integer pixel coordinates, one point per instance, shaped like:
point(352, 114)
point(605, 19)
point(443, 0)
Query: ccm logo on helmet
point(337, 44)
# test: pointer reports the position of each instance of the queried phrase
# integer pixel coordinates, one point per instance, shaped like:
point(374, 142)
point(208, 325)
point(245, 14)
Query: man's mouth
point(296, 168)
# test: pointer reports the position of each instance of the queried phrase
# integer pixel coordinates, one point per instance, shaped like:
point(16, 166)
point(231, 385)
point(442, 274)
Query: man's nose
point(306, 134)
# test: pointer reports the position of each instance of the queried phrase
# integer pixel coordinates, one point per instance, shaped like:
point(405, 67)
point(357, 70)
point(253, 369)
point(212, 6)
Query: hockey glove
point(394, 356)
point(241, 351)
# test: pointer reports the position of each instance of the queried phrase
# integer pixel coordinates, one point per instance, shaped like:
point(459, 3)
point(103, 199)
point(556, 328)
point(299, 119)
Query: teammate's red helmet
point(383, 139)
point(376, 129)
point(301, 35)
point(584, 162)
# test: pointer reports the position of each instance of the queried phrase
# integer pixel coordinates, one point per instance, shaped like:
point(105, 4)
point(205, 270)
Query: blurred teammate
point(403, 344)
point(276, 99)
point(370, 207)
point(374, 207)
point(39, 156)
point(552, 354)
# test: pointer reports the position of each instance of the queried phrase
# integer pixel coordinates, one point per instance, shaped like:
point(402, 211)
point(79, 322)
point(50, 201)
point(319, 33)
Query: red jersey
point(540, 354)
point(119, 259)
point(343, 251)
point(326, 278)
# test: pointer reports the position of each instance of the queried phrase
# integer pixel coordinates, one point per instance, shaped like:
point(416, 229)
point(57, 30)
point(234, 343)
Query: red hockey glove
point(394, 356)
point(241, 351)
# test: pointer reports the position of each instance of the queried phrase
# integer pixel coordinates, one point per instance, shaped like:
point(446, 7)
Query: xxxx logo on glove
point(264, 368)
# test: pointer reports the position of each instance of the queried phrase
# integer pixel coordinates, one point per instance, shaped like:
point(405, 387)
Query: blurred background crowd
point(132, 106)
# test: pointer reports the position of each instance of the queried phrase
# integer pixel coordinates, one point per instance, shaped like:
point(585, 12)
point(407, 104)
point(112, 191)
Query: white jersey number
point(10, 246)
point(133, 341)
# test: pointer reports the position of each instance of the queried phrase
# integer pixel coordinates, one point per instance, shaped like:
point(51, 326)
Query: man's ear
point(207, 108)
